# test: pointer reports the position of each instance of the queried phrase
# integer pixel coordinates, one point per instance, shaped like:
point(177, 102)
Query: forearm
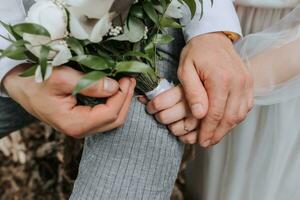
point(281, 64)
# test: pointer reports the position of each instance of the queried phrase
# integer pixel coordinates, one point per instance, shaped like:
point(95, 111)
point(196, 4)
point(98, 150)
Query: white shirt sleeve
point(221, 16)
point(11, 12)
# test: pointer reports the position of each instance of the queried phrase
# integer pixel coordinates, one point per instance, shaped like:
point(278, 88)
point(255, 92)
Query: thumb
point(195, 92)
point(105, 87)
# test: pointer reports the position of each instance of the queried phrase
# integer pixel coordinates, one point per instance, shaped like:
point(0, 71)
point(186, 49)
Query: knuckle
point(156, 103)
point(224, 77)
point(161, 117)
point(216, 115)
point(232, 119)
point(242, 80)
point(58, 79)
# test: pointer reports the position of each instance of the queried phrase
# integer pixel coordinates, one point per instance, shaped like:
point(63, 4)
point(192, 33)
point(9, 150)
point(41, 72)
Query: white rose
point(174, 10)
point(93, 9)
point(84, 28)
point(50, 16)
point(53, 18)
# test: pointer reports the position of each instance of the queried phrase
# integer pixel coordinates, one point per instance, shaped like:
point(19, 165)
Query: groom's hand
point(52, 101)
point(217, 85)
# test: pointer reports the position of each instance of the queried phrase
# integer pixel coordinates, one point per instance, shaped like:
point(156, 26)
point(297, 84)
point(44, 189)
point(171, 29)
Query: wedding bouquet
point(101, 38)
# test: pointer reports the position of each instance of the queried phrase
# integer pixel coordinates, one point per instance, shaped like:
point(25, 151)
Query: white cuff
point(12, 12)
point(219, 17)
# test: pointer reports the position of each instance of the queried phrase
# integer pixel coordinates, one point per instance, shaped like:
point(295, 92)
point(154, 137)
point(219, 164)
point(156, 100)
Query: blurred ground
point(34, 165)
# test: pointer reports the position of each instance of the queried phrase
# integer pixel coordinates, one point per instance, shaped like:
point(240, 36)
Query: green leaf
point(43, 59)
point(15, 51)
point(137, 54)
point(163, 39)
point(9, 29)
point(134, 67)
point(29, 72)
point(93, 62)
point(137, 11)
point(151, 12)
point(133, 32)
point(192, 6)
point(30, 28)
point(88, 80)
point(167, 22)
point(75, 46)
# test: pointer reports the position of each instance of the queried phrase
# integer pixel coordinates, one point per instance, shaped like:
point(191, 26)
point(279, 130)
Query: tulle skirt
point(260, 159)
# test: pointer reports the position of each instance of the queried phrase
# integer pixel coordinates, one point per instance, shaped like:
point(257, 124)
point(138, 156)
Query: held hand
point(170, 108)
point(217, 85)
point(52, 101)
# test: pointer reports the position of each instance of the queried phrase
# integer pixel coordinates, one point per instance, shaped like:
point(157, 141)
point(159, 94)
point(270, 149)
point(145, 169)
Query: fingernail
point(109, 85)
point(206, 144)
point(197, 109)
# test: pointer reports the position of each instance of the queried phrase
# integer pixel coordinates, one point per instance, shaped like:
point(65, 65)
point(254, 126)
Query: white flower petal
point(62, 57)
point(101, 28)
point(38, 74)
point(76, 27)
point(92, 8)
point(47, 14)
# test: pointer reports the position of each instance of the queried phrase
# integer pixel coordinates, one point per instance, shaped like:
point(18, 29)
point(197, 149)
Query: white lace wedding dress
point(260, 159)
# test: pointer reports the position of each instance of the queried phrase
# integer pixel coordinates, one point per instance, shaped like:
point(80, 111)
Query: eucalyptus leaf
point(134, 32)
point(88, 80)
point(93, 62)
point(137, 11)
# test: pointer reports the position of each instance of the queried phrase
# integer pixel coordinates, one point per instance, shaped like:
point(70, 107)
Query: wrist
point(9, 82)
point(215, 37)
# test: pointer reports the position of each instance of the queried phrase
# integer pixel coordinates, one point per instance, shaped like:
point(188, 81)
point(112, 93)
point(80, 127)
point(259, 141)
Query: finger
point(123, 113)
point(105, 87)
point(184, 127)
point(218, 95)
point(220, 133)
point(190, 138)
point(237, 100)
point(143, 99)
point(171, 115)
point(86, 118)
point(165, 100)
point(194, 91)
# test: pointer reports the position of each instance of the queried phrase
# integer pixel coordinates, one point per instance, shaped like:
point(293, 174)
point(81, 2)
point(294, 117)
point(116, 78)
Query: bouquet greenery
point(110, 38)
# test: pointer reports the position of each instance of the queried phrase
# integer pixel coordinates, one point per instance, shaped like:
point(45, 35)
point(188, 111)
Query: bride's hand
point(170, 108)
